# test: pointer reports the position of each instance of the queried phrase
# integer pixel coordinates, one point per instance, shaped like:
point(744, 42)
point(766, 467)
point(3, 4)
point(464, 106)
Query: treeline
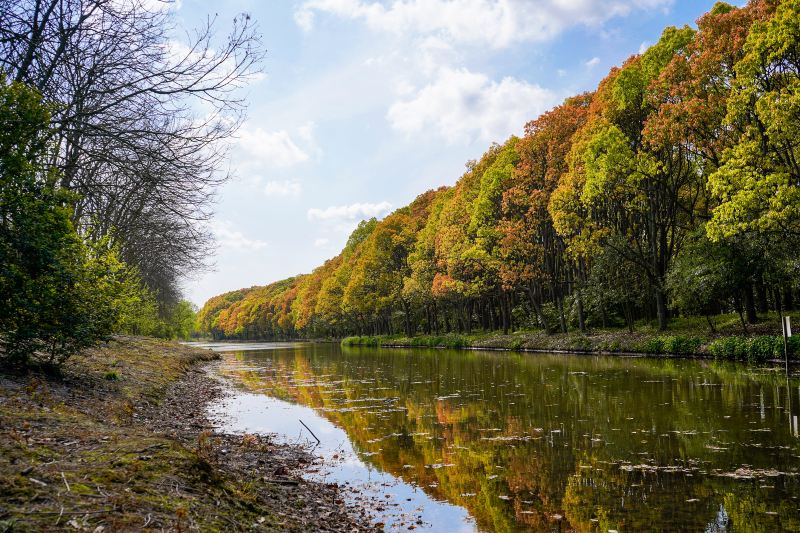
point(107, 167)
point(674, 188)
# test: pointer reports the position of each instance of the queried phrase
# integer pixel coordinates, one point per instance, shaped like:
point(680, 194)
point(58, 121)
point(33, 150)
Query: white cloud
point(306, 132)
point(496, 23)
point(321, 242)
point(593, 62)
point(460, 105)
point(643, 47)
point(228, 236)
point(270, 148)
point(356, 211)
point(283, 188)
point(162, 5)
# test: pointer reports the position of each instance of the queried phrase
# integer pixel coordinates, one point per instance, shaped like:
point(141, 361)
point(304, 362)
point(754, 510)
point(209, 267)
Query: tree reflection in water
point(559, 443)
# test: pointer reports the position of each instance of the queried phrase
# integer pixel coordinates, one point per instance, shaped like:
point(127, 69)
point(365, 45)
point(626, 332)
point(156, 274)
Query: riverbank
point(761, 344)
point(121, 441)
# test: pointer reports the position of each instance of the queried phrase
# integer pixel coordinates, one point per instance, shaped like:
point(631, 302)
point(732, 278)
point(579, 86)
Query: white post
point(787, 332)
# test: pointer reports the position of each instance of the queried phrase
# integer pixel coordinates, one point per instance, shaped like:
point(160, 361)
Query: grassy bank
point(111, 445)
point(686, 337)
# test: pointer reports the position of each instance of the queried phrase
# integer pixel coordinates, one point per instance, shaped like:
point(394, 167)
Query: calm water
point(489, 441)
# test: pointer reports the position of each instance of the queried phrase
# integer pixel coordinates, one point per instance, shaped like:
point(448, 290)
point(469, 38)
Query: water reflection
point(557, 443)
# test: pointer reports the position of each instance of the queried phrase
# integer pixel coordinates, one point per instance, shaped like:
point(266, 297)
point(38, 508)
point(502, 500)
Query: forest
point(671, 190)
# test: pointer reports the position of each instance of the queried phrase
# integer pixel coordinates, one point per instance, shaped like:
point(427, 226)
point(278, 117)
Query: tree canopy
point(673, 188)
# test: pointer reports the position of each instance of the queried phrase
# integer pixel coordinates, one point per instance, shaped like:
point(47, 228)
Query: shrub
point(764, 348)
point(753, 350)
point(794, 346)
point(681, 345)
point(725, 348)
point(653, 345)
point(515, 344)
point(425, 341)
point(455, 341)
point(580, 343)
point(58, 294)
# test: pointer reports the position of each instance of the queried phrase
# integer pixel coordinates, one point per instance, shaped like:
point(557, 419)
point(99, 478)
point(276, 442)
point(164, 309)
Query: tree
point(128, 136)
point(626, 185)
point(708, 277)
point(58, 295)
point(533, 253)
point(758, 184)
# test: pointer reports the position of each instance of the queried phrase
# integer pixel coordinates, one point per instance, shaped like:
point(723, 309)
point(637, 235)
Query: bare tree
point(143, 117)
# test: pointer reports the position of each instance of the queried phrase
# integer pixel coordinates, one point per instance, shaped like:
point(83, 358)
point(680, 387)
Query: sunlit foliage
point(672, 188)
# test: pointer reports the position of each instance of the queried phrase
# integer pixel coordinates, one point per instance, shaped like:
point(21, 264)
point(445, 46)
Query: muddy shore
point(121, 441)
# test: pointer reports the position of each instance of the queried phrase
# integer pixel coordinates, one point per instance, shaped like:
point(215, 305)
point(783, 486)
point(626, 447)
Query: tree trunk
point(788, 299)
point(740, 311)
point(504, 312)
point(581, 318)
point(428, 325)
point(661, 309)
point(538, 309)
point(750, 304)
point(761, 296)
point(407, 317)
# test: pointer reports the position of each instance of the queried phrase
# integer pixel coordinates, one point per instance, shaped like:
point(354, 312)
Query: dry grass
point(89, 451)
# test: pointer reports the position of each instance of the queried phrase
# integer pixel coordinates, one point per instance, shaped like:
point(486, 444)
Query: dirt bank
point(121, 442)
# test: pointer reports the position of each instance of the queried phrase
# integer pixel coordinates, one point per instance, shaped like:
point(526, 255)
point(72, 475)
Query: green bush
point(764, 348)
point(580, 343)
point(654, 345)
point(454, 341)
point(425, 341)
point(58, 293)
point(363, 340)
point(681, 345)
point(725, 348)
point(794, 347)
point(753, 350)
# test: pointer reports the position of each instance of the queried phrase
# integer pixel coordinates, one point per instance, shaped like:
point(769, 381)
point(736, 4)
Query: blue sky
point(364, 104)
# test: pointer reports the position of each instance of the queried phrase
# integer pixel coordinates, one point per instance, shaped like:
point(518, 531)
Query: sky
point(362, 105)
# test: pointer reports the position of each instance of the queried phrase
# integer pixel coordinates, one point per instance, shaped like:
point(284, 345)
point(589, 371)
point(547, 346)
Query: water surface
point(494, 441)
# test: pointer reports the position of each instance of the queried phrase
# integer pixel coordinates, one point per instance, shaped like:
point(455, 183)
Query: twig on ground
point(309, 430)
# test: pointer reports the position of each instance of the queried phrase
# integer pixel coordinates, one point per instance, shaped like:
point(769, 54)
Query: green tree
point(57, 295)
point(757, 186)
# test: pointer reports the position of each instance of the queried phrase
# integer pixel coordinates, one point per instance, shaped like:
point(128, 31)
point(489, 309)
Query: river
point(493, 441)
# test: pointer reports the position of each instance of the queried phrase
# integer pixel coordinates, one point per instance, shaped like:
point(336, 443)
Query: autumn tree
point(533, 254)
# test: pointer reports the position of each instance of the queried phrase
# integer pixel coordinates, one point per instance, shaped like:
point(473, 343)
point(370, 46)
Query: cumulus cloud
point(495, 23)
point(227, 236)
point(356, 211)
point(270, 148)
point(321, 242)
point(593, 62)
point(283, 188)
point(155, 6)
point(460, 105)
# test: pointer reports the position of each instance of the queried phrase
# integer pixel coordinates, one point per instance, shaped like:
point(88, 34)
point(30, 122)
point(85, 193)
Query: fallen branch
point(281, 481)
point(309, 430)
